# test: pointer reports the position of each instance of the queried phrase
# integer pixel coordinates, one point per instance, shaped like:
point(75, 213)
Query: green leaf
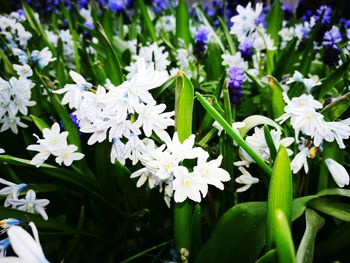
point(314, 223)
point(332, 207)
point(196, 226)
point(227, 36)
point(238, 236)
point(257, 120)
point(147, 22)
point(183, 23)
point(333, 79)
point(334, 191)
point(205, 21)
point(336, 108)
point(184, 100)
point(37, 219)
point(227, 127)
point(112, 65)
point(7, 64)
point(299, 205)
point(269, 257)
point(73, 136)
point(40, 123)
point(75, 39)
point(278, 103)
point(286, 59)
point(213, 65)
point(280, 193)
point(284, 240)
point(275, 18)
point(270, 143)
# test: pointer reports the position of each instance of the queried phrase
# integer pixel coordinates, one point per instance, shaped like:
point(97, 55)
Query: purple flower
point(327, 16)
point(116, 5)
point(307, 15)
point(201, 39)
point(345, 22)
point(235, 83)
point(332, 37)
point(245, 48)
point(160, 5)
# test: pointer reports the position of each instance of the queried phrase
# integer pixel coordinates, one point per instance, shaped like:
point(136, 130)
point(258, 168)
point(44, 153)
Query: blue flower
point(116, 5)
point(201, 39)
point(327, 16)
point(235, 83)
point(6, 223)
point(160, 5)
point(332, 37)
point(245, 48)
point(4, 244)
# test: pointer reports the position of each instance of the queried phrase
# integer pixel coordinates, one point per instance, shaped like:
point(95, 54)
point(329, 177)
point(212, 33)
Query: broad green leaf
point(196, 226)
point(299, 205)
point(112, 66)
point(284, 240)
point(333, 79)
point(286, 59)
point(213, 65)
point(274, 21)
point(257, 120)
point(40, 123)
point(7, 64)
point(147, 22)
point(183, 22)
point(270, 142)
point(336, 108)
point(238, 236)
point(332, 207)
point(184, 100)
point(278, 103)
point(334, 191)
point(314, 223)
point(280, 193)
point(227, 127)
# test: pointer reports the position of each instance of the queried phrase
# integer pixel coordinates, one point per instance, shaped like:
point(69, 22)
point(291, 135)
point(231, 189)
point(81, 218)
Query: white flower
point(211, 172)
point(27, 249)
point(309, 83)
point(12, 191)
point(12, 123)
point(153, 118)
point(234, 60)
point(187, 185)
point(166, 23)
point(300, 160)
point(55, 143)
point(183, 150)
point(145, 175)
point(23, 71)
point(31, 204)
point(338, 172)
point(67, 155)
point(42, 57)
point(257, 142)
point(2, 150)
point(73, 92)
point(247, 179)
point(297, 77)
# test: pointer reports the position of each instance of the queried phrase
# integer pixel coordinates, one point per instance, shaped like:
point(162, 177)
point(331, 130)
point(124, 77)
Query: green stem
point(146, 251)
point(215, 115)
point(204, 141)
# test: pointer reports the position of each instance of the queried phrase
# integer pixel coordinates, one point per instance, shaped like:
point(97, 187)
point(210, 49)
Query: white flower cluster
point(152, 54)
point(120, 111)
point(304, 118)
point(42, 58)
point(245, 28)
point(167, 24)
point(14, 32)
point(15, 97)
point(163, 168)
point(28, 204)
point(54, 143)
point(309, 83)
